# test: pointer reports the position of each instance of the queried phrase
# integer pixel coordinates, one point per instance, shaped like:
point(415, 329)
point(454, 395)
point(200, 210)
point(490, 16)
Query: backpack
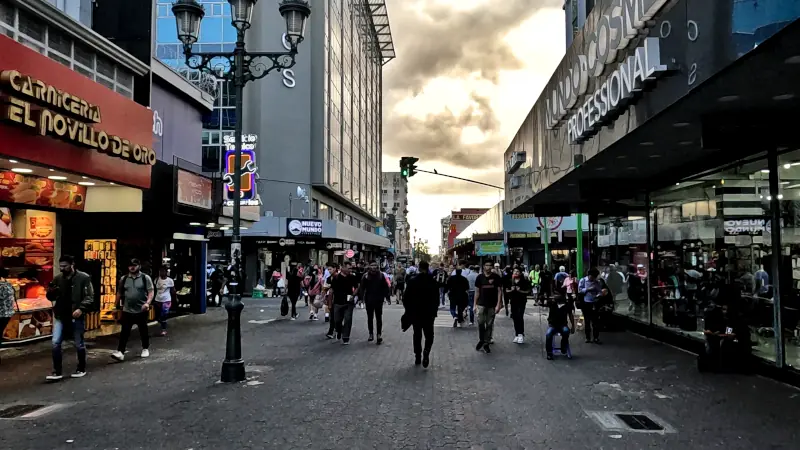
point(441, 277)
point(142, 290)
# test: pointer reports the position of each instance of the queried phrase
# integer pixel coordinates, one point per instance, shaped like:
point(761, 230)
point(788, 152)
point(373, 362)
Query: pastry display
point(104, 250)
point(34, 190)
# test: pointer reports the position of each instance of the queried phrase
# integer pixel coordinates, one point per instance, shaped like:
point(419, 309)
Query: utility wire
point(462, 179)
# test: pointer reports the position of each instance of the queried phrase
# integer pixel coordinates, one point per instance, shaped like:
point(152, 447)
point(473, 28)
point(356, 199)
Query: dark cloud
point(441, 41)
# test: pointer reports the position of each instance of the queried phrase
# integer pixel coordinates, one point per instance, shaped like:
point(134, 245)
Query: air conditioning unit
point(515, 182)
point(516, 160)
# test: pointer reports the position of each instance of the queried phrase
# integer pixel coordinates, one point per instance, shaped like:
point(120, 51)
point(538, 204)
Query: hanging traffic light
point(408, 167)
point(412, 166)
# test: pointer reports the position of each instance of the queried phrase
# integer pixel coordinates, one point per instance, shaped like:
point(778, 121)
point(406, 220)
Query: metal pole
point(580, 245)
point(546, 236)
point(233, 366)
point(648, 248)
point(775, 216)
point(290, 205)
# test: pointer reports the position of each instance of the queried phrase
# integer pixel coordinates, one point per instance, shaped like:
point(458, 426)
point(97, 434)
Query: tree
point(421, 251)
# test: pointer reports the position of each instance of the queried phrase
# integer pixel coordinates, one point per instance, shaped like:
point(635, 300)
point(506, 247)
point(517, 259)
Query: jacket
point(421, 299)
point(82, 291)
point(373, 288)
point(457, 286)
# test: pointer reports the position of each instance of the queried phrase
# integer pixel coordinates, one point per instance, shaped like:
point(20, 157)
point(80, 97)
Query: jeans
point(518, 316)
point(471, 303)
point(375, 309)
point(343, 318)
point(441, 294)
point(485, 323)
point(548, 341)
point(591, 321)
point(162, 311)
point(60, 328)
point(423, 326)
point(128, 321)
point(293, 301)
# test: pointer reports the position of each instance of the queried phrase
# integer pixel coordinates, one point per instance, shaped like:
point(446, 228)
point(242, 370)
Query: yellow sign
point(48, 122)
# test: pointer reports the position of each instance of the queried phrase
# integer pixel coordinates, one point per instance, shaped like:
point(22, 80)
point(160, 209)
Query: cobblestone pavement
point(308, 392)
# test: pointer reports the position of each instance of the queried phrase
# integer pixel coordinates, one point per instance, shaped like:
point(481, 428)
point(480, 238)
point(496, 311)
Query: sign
point(52, 112)
point(304, 227)
point(333, 245)
point(33, 190)
point(41, 224)
point(288, 74)
point(751, 227)
point(552, 222)
point(285, 242)
point(349, 253)
point(522, 235)
point(158, 125)
point(120, 115)
point(490, 248)
point(247, 191)
point(612, 33)
point(194, 190)
point(214, 234)
point(459, 216)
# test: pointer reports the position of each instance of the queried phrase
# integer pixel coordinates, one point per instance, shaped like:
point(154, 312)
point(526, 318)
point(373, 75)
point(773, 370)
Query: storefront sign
point(41, 224)
point(288, 74)
point(158, 124)
point(194, 190)
point(458, 216)
point(523, 216)
point(71, 117)
point(490, 248)
point(286, 242)
point(349, 254)
point(552, 222)
point(333, 245)
point(33, 190)
point(614, 31)
point(247, 191)
point(752, 227)
point(522, 235)
point(214, 234)
point(304, 227)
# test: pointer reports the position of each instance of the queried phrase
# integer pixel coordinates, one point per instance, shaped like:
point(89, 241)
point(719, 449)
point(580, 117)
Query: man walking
point(471, 276)
point(73, 296)
point(457, 286)
point(441, 280)
point(135, 293)
point(421, 305)
point(374, 289)
point(343, 285)
point(488, 290)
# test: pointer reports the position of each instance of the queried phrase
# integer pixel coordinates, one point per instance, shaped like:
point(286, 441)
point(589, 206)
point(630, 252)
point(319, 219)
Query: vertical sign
point(248, 186)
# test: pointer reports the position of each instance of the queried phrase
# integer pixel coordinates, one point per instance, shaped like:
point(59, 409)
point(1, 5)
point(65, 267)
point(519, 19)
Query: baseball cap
point(135, 262)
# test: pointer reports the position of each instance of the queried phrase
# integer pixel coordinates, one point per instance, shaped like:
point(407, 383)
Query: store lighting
point(787, 166)
point(681, 124)
point(84, 177)
point(728, 98)
point(52, 170)
point(21, 170)
point(86, 183)
point(783, 97)
point(112, 183)
point(677, 184)
point(792, 60)
point(784, 183)
point(211, 225)
point(769, 198)
point(722, 181)
point(764, 170)
point(195, 224)
point(242, 228)
point(646, 144)
point(685, 143)
point(780, 196)
point(795, 164)
point(13, 161)
point(225, 228)
point(57, 177)
point(655, 156)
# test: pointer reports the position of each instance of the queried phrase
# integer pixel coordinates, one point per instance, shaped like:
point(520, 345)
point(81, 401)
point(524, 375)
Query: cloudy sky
point(467, 73)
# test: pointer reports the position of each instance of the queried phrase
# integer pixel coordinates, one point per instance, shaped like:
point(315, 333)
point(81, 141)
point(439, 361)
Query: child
point(558, 319)
point(165, 293)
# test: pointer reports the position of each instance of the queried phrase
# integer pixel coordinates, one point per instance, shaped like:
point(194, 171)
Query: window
point(314, 208)
point(324, 211)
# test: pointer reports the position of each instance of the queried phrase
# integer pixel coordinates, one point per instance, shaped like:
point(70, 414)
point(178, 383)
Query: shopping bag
point(284, 306)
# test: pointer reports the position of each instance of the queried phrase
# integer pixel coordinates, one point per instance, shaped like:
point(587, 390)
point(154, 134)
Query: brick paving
point(308, 392)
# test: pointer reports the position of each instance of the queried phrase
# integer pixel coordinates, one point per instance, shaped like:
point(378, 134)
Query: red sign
point(32, 190)
point(98, 107)
point(194, 190)
point(349, 253)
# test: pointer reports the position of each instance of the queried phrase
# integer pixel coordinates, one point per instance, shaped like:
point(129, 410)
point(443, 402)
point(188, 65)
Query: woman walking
point(517, 292)
point(315, 295)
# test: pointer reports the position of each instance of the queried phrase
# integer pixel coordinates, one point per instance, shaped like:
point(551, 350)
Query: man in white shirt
point(165, 292)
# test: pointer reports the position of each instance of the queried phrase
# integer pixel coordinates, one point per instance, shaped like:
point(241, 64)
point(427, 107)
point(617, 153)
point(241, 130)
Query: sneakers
point(54, 377)
point(380, 340)
point(519, 339)
point(293, 318)
point(145, 353)
point(426, 360)
point(455, 323)
point(479, 347)
point(345, 341)
point(315, 318)
point(117, 355)
point(487, 349)
point(78, 374)
point(329, 335)
point(338, 336)
point(417, 360)
point(516, 339)
point(327, 317)
point(370, 338)
point(311, 316)
point(163, 333)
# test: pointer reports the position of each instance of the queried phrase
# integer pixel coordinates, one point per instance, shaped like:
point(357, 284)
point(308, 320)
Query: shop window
point(105, 67)
point(324, 211)
point(83, 55)
point(83, 71)
point(59, 42)
point(101, 264)
point(55, 57)
point(105, 82)
point(31, 26)
point(124, 79)
point(789, 262)
point(7, 14)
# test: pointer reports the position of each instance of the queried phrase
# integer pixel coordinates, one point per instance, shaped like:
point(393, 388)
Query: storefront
point(68, 147)
point(683, 153)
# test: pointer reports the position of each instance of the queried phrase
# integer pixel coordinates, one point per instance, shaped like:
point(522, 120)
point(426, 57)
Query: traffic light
point(408, 166)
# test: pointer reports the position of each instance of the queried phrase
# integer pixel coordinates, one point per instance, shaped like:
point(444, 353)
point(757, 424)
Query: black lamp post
point(239, 67)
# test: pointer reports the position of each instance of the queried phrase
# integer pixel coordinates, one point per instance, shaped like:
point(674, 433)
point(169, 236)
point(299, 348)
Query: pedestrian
point(517, 293)
point(440, 275)
point(488, 297)
point(560, 277)
point(7, 300)
point(388, 277)
point(471, 276)
point(315, 293)
point(373, 289)
point(294, 281)
point(421, 308)
point(545, 285)
point(359, 271)
point(560, 320)
point(165, 295)
point(458, 291)
point(135, 293)
point(344, 285)
point(326, 288)
point(570, 286)
point(72, 293)
point(590, 289)
point(399, 283)
point(507, 275)
point(217, 286)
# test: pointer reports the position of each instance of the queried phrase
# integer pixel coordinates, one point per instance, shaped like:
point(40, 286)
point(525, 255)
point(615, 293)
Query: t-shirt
point(163, 289)
point(342, 287)
point(441, 276)
point(134, 291)
point(559, 313)
point(524, 285)
point(488, 287)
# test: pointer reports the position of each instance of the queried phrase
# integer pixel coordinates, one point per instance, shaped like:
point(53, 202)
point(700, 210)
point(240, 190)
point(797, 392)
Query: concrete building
point(443, 245)
point(575, 13)
point(394, 201)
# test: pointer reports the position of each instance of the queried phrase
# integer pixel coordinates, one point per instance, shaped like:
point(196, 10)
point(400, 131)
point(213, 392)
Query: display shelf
point(104, 251)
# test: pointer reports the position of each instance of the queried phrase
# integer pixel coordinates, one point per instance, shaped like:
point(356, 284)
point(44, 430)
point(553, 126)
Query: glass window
point(789, 260)
point(59, 42)
point(105, 67)
point(83, 71)
point(166, 32)
point(31, 26)
point(30, 43)
point(7, 13)
point(124, 78)
point(84, 55)
point(124, 91)
point(55, 57)
point(105, 82)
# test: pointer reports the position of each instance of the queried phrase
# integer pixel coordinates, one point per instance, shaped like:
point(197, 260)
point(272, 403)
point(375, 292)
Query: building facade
point(443, 245)
point(394, 202)
point(658, 140)
point(575, 13)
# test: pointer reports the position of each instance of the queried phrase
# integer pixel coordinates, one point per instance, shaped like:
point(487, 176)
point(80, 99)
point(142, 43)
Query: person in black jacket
point(421, 303)
point(293, 287)
point(458, 287)
point(373, 289)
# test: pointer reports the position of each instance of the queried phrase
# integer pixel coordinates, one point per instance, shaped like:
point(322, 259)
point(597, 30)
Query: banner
point(33, 190)
point(194, 190)
point(490, 248)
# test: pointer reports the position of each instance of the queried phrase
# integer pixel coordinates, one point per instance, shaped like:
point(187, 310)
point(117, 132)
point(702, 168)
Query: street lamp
point(238, 67)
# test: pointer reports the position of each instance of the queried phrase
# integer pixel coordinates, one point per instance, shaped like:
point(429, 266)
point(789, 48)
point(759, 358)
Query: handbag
point(318, 301)
point(284, 306)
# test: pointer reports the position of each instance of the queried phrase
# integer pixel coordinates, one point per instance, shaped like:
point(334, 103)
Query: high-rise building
point(394, 201)
point(575, 13)
point(443, 246)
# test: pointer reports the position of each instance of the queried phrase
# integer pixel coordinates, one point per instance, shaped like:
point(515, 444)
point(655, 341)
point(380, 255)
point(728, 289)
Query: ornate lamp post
point(238, 67)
